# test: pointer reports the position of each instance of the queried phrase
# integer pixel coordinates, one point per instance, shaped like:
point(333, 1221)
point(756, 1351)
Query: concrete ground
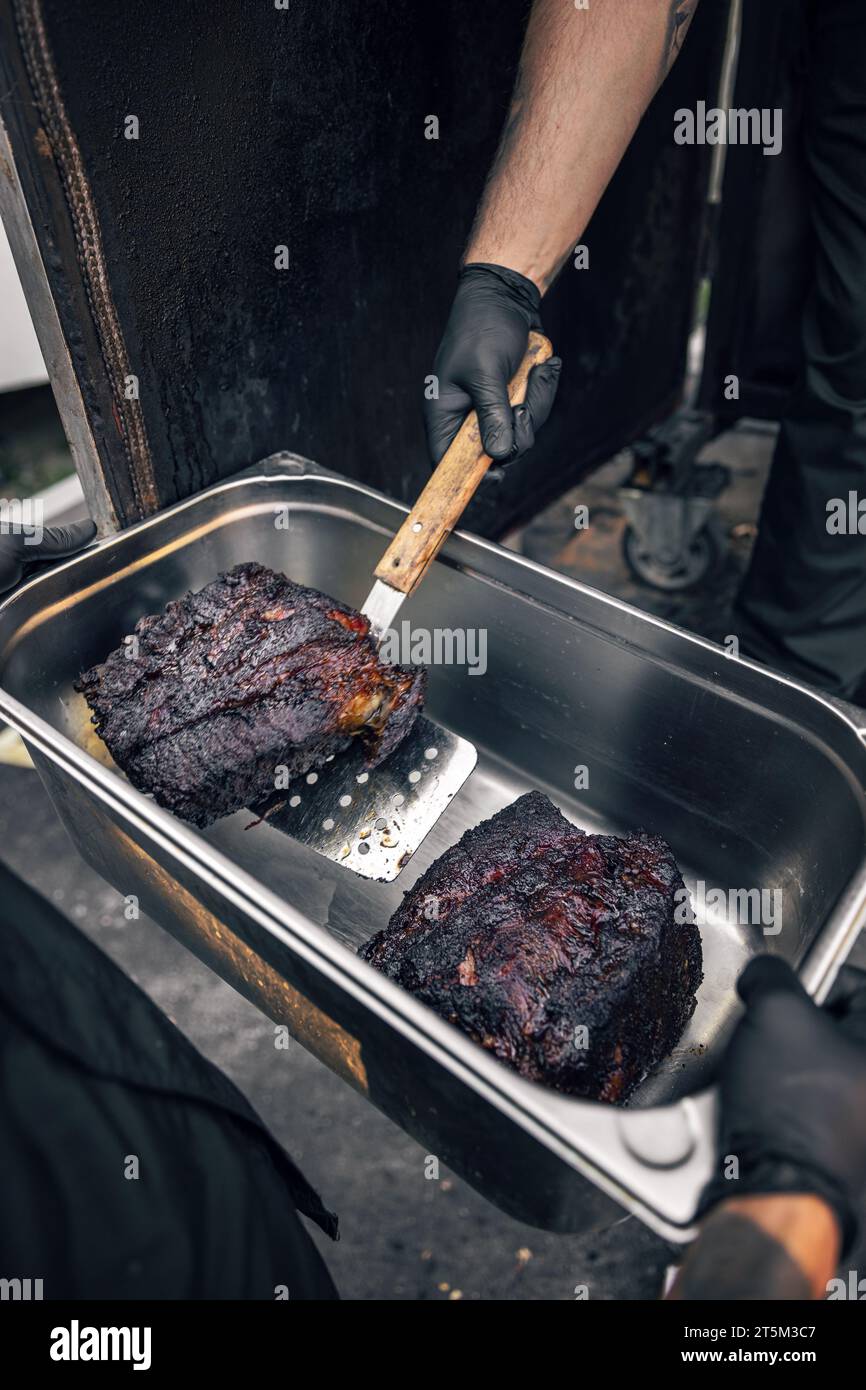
point(403, 1236)
point(595, 554)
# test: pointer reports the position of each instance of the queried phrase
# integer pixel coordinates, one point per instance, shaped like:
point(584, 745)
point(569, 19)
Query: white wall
point(21, 361)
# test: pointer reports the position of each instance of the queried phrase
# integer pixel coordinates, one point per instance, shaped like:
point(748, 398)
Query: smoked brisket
point(573, 957)
point(252, 674)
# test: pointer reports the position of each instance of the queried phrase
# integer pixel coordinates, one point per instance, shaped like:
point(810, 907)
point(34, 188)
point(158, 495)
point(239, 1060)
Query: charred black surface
point(251, 673)
point(306, 127)
point(528, 929)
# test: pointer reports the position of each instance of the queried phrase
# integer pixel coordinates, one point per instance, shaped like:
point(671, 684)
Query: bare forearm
point(773, 1247)
point(586, 77)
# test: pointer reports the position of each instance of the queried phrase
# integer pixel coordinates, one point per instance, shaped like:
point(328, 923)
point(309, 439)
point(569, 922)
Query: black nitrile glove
point(57, 542)
point(481, 349)
point(793, 1093)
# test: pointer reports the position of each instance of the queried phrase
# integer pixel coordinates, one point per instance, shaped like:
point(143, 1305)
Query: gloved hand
point(482, 347)
point(57, 542)
point(793, 1093)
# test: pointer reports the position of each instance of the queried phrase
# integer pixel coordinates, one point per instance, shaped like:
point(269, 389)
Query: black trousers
point(802, 606)
point(131, 1167)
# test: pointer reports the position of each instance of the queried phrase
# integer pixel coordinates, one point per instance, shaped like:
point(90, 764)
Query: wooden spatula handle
point(450, 489)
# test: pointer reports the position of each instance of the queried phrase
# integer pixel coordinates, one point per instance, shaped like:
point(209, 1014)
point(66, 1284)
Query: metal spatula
point(373, 821)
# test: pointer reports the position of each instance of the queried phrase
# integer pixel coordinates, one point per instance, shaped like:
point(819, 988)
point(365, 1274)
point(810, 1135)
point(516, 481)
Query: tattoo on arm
point(679, 19)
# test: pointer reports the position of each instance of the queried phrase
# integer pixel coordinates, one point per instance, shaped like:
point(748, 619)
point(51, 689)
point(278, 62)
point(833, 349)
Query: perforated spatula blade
point(372, 821)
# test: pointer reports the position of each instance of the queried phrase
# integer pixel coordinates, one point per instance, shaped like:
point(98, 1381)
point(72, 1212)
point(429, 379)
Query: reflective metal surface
point(756, 782)
point(372, 822)
point(381, 606)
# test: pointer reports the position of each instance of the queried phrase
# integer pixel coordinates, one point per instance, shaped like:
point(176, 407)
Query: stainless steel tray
point(757, 782)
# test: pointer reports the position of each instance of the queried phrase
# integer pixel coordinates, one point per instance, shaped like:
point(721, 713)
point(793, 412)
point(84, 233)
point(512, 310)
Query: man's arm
point(586, 77)
point(767, 1247)
point(786, 1197)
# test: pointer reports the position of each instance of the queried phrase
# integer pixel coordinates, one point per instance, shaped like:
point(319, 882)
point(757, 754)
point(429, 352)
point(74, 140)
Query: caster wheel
point(701, 559)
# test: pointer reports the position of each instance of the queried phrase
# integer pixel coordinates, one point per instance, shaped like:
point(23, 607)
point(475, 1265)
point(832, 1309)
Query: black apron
point(96, 1084)
point(803, 603)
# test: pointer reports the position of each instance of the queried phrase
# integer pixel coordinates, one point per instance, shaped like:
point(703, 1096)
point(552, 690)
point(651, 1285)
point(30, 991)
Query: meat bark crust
point(528, 931)
point(251, 673)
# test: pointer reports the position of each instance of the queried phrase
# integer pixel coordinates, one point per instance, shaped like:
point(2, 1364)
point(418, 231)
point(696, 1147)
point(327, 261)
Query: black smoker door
point(303, 127)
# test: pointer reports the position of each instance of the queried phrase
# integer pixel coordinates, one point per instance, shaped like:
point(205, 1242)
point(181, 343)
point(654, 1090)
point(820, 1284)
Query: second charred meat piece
point(572, 957)
point(252, 673)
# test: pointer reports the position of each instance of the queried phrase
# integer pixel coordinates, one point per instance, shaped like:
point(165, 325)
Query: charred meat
point(569, 956)
point(251, 674)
